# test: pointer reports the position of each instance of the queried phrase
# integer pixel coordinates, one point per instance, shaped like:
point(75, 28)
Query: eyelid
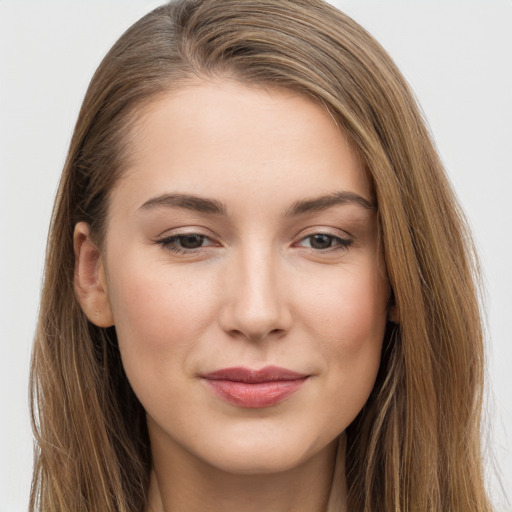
point(325, 230)
point(185, 230)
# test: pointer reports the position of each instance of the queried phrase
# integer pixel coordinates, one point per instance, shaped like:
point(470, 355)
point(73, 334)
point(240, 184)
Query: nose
point(255, 304)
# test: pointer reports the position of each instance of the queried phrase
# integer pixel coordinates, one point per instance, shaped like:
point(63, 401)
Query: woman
point(259, 288)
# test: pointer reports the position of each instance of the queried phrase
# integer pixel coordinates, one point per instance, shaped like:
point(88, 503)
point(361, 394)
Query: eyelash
point(170, 243)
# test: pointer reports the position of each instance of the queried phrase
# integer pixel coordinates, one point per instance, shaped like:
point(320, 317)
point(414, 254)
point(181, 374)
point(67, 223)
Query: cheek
point(349, 309)
point(349, 319)
point(159, 314)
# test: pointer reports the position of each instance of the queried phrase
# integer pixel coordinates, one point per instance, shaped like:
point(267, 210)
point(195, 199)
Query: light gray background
point(456, 55)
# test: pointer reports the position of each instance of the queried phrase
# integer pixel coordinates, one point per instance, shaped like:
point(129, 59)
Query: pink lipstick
point(254, 388)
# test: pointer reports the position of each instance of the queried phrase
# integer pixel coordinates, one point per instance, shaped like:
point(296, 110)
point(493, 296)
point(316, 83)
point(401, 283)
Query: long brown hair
point(416, 443)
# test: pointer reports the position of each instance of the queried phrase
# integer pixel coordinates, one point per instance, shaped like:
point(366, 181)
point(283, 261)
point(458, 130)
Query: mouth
point(245, 387)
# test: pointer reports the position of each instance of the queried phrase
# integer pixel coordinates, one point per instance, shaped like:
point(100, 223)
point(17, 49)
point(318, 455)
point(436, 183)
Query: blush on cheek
point(353, 313)
point(352, 331)
point(357, 363)
point(156, 311)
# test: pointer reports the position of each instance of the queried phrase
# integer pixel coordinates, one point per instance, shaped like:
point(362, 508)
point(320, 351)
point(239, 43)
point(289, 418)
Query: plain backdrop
point(457, 55)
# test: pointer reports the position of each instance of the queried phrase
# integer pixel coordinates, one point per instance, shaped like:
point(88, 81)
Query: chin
point(257, 464)
point(255, 454)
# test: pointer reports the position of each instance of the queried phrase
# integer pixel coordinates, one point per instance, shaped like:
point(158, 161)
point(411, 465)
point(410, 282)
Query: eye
point(325, 242)
point(185, 243)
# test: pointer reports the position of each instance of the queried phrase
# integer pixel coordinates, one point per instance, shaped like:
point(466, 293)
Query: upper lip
point(251, 376)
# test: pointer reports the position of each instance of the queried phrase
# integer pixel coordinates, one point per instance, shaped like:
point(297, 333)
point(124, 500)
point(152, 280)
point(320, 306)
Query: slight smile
point(254, 389)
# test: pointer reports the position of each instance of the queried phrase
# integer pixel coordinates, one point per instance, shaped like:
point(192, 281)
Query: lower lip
point(255, 395)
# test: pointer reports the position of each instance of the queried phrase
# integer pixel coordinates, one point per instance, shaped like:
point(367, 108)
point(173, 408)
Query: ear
point(90, 281)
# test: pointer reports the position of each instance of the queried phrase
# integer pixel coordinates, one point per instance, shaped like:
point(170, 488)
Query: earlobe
point(90, 282)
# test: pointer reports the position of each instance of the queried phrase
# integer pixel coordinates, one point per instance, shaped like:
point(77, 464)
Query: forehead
point(233, 141)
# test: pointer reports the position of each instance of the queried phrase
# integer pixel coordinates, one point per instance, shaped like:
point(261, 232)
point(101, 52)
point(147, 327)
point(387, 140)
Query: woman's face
point(244, 275)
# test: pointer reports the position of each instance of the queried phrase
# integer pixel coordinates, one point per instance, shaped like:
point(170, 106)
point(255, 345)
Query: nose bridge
point(254, 303)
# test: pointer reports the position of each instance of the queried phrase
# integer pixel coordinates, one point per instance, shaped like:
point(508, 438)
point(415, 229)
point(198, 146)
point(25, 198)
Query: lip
point(246, 387)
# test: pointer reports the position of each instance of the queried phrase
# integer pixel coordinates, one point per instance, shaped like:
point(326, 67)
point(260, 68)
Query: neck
point(317, 485)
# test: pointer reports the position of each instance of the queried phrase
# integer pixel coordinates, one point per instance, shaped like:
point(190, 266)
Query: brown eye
point(187, 243)
point(191, 241)
point(325, 242)
point(321, 241)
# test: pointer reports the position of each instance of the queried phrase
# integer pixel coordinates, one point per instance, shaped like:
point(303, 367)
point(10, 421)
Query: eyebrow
point(317, 204)
point(186, 202)
point(215, 207)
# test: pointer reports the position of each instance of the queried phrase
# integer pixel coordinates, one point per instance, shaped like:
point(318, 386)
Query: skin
point(257, 290)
